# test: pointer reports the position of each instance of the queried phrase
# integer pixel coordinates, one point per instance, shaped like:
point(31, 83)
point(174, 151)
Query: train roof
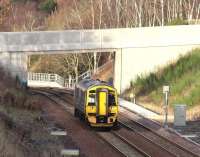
point(87, 83)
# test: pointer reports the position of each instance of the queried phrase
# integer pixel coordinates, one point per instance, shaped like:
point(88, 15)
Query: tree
point(5, 7)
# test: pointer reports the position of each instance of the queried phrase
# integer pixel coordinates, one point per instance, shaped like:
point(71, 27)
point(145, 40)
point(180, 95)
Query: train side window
point(91, 100)
point(111, 99)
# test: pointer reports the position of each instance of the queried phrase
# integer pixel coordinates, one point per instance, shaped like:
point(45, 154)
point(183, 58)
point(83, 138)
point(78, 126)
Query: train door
point(102, 102)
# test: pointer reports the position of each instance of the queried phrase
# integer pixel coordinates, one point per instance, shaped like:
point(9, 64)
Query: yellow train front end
point(101, 106)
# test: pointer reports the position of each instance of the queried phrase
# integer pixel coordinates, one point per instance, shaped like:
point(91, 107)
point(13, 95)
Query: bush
point(13, 97)
point(32, 104)
point(48, 6)
point(178, 21)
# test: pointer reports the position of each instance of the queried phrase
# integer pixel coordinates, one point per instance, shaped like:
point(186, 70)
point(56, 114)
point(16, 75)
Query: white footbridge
point(138, 51)
point(54, 80)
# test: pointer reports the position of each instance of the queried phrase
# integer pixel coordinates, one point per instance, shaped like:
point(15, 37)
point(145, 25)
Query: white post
point(132, 96)
point(70, 80)
point(95, 62)
point(166, 92)
point(118, 70)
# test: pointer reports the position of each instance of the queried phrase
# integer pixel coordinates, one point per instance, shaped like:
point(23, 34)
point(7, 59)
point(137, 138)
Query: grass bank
point(183, 76)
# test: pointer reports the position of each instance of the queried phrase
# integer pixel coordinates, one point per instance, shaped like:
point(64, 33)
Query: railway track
point(133, 138)
point(154, 131)
point(124, 147)
point(160, 146)
point(56, 98)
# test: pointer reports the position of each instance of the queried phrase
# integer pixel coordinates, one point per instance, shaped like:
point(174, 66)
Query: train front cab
point(101, 106)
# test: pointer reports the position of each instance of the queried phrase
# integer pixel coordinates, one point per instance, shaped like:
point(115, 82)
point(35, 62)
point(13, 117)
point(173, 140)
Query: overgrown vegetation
point(12, 95)
point(178, 21)
point(90, 14)
point(23, 130)
point(182, 76)
point(48, 6)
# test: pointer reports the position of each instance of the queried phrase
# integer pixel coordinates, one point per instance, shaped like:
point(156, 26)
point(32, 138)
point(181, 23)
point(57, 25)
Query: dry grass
point(105, 73)
point(20, 16)
point(192, 113)
point(12, 95)
point(9, 146)
point(152, 107)
point(22, 133)
point(15, 98)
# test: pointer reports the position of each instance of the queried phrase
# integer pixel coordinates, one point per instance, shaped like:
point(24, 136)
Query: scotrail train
point(96, 102)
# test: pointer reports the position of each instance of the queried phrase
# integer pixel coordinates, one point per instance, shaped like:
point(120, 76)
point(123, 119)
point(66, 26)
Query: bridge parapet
point(80, 40)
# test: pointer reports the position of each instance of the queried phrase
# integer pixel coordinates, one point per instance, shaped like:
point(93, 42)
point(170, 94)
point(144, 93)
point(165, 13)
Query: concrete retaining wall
point(140, 61)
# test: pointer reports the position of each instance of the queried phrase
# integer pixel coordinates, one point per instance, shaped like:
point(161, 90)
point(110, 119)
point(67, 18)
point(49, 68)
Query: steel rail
point(48, 94)
point(157, 134)
point(113, 146)
point(126, 126)
point(148, 139)
point(131, 144)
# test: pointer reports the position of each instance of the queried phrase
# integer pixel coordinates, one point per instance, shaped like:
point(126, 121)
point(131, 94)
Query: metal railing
point(68, 83)
point(45, 77)
point(60, 80)
point(85, 75)
point(71, 82)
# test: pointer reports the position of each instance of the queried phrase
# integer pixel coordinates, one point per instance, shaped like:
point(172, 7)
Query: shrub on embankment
point(24, 124)
point(183, 76)
point(12, 95)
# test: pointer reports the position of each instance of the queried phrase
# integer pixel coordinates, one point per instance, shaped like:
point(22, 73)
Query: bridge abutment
point(15, 63)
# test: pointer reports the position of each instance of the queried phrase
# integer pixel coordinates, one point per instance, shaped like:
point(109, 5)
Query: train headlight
point(91, 114)
point(111, 120)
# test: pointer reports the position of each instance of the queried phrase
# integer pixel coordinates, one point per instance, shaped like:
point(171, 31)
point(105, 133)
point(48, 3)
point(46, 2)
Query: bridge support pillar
point(5, 60)
point(15, 63)
point(118, 70)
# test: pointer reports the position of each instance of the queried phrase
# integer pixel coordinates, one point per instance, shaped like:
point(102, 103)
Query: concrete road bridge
point(137, 50)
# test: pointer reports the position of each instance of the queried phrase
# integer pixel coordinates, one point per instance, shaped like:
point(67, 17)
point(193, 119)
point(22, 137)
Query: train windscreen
point(92, 98)
point(111, 99)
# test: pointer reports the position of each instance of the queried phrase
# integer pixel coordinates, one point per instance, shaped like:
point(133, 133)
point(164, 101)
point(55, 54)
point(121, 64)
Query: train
point(96, 102)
